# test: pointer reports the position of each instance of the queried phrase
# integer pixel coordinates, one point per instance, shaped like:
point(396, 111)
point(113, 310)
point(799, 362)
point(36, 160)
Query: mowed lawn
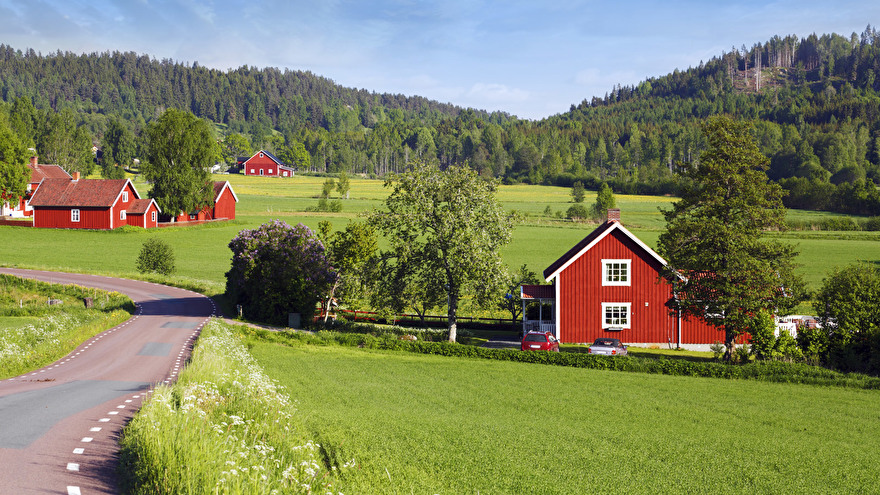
point(202, 252)
point(429, 424)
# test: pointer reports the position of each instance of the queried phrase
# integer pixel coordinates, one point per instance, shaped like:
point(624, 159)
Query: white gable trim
point(122, 189)
point(614, 225)
point(226, 185)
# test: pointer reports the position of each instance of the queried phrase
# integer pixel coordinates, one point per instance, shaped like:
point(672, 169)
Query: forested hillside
point(815, 102)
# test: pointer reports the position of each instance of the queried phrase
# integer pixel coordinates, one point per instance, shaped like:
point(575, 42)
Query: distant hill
point(815, 102)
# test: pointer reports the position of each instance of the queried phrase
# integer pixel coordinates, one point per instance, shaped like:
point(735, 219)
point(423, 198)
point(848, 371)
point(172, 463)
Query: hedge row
point(770, 371)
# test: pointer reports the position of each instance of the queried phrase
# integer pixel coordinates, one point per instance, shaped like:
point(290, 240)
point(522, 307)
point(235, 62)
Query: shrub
point(813, 343)
point(763, 338)
point(786, 348)
point(577, 211)
point(717, 349)
point(156, 256)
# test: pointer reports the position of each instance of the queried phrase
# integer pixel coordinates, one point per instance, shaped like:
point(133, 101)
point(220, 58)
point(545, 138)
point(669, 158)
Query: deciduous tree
point(118, 147)
point(180, 150)
point(713, 237)
point(512, 298)
point(14, 172)
point(453, 225)
point(604, 201)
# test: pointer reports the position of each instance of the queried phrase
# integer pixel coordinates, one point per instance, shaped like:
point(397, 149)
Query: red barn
point(609, 285)
point(224, 206)
point(265, 164)
point(84, 204)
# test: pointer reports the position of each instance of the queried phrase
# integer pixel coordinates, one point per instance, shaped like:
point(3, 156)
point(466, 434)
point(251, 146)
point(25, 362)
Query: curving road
point(59, 425)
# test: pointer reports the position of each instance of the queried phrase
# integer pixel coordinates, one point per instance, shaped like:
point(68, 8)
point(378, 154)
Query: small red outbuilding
point(223, 209)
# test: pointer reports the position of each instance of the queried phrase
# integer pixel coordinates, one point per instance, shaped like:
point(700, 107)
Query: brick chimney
point(613, 214)
point(76, 176)
point(33, 160)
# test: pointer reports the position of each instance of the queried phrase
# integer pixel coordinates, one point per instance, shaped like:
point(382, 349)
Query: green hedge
point(771, 371)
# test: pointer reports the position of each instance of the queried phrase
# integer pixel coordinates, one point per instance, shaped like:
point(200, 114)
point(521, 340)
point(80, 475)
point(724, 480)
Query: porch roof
point(537, 292)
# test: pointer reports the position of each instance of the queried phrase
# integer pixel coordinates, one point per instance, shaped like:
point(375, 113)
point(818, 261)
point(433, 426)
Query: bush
point(763, 337)
point(156, 256)
point(577, 211)
point(786, 348)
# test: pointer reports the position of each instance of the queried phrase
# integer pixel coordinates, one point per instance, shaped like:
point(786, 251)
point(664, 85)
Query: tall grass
point(224, 427)
point(34, 333)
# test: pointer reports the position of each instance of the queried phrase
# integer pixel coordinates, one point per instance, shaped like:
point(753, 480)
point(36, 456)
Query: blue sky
point(530, 58)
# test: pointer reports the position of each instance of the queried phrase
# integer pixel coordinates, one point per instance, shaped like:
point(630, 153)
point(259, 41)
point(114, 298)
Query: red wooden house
point(610, 285)
point(39, 172)
point(89, 204)
point(224, 206)
point(265, 164)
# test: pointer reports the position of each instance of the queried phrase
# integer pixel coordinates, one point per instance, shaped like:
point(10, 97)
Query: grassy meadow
point(430, 424)
point(202, 255)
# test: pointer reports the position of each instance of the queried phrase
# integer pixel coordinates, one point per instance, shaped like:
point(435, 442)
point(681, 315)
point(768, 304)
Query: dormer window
point(616, 272)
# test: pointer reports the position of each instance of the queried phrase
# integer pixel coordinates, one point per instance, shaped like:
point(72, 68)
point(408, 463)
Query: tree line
point(814, 101)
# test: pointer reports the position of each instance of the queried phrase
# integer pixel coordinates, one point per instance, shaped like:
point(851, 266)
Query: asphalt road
point(59, 425)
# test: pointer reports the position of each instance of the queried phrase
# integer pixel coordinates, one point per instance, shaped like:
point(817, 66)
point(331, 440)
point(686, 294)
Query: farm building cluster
point(56, 199)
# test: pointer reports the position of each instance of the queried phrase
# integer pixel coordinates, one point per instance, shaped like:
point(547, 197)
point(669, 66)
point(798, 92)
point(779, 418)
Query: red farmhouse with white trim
point(224, 206)
point(265, 164)
point(609, 285)
point(91, 204)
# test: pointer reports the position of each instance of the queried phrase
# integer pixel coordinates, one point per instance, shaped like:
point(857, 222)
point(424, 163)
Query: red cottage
point(609, 285)
point(143, 213)
point(39, 172)
point(224, 206)
point(85, 204)
point(265, 164)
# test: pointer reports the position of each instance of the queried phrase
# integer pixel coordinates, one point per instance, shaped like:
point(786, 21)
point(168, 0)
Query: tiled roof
point(538, 292)
point(40, 172)
point(270, 155)
point(140, 206)
point(85, 192)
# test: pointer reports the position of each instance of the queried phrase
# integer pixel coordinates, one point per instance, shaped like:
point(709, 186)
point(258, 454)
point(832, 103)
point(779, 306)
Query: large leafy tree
point(118, 149)
point(14, 172)
point(180, 150)
point(725, 270)
point(67, 144)
point(452, 224)
point(278, 269)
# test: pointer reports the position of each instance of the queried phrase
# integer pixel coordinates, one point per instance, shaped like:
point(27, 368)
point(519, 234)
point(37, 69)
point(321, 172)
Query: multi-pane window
point(616, 272)
point(122, 214)
point(616, 315)
point(153, 216)
point(74, 215)
point(125, 196)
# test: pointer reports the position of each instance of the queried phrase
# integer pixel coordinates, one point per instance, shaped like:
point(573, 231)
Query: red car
point(539, 341)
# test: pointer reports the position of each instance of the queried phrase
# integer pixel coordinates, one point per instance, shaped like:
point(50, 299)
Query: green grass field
point(429, 424)
point(203, 255)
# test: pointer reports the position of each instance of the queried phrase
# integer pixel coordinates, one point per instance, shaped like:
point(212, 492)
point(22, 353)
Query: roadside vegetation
point(34, 333)
point(224, 427)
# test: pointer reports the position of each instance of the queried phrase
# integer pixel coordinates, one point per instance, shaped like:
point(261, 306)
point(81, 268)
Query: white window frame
point(270, 171)
point(153, 216)
point(607, 305)
point(606, 264)
point(253, 171)
point(261, 172)
point(125, 196)
point(122, 214)
point(74, 215)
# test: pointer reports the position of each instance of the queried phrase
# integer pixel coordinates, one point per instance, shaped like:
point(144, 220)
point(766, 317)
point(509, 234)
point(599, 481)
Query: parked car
point(539, 341)
point(607, 347)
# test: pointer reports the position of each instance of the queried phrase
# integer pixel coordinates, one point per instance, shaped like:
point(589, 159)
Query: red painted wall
point(257, 163)
point(146, 220)
point(59, 218)
point(224, 207)
point(582, 294)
